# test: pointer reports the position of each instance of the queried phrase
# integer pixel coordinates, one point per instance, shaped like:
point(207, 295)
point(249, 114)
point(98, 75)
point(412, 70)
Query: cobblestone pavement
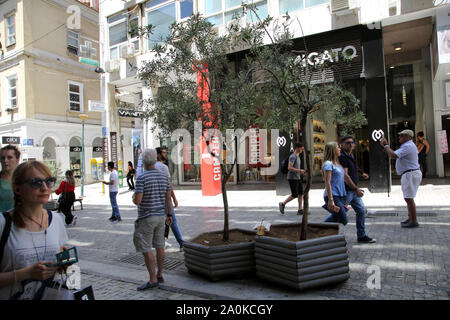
point(413, 263)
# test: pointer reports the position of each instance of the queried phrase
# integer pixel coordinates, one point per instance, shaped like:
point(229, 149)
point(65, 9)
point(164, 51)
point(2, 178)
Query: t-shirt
point(347, 161)
point(25, 248)
point(6, 196)
point(297, 163)
point(337, 179)
point(154, 185)
point(162, 167)
point(114, 176)
point(408, 158)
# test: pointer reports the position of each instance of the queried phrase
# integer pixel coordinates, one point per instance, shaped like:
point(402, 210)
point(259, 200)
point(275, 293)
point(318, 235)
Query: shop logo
point(281, 141)
point(377, 135)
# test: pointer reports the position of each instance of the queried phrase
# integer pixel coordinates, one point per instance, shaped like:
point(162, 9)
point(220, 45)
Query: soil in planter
point(292, 233)
point(216, 238)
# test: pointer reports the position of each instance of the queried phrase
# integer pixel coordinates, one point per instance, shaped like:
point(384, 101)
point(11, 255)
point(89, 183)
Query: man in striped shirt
point(152, 195)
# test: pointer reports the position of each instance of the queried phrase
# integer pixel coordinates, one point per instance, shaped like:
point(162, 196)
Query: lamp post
point(83, 118)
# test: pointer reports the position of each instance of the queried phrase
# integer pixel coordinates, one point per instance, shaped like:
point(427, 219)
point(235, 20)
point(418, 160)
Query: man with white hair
point(152, 195)
point(407, 165)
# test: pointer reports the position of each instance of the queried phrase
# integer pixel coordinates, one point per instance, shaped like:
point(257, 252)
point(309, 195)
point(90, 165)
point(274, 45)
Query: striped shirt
point(154, 185)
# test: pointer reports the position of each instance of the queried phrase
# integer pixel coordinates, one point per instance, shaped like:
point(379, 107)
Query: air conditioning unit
point(112, 65)
point(339, 5)
point(127, 50)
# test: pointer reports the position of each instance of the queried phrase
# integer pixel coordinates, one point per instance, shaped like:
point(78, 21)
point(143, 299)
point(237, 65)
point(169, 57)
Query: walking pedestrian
point(9, 158)
point(407, 166)
point(130, 176)
point(153, 198)
point(160, 165)
point(423, 148)
point(295, 179)
point(354, 194)
point(335, 193)
point(113, 191)
point(35, 235)
point(67, 190)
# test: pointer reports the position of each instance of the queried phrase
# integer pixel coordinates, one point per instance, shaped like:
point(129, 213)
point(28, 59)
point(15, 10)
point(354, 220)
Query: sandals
point(148, 285)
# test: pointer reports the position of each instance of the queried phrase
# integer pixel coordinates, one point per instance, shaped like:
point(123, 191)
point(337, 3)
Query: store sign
point(442, 141)
point(75, 149)
point(105, 153)
point(96, 106)
point(128, 113)
point(11, 140)
point(333, 56)
point(28, 142)
point(97, 149)
point(114, 157)
point(377, 135)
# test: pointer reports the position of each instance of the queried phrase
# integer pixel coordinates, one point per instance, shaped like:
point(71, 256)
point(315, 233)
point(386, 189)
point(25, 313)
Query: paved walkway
point(413, 264)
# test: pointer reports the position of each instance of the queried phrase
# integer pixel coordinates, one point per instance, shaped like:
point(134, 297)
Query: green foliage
point(55, 169)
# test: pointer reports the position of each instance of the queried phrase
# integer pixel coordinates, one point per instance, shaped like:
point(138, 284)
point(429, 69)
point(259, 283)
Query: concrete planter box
point(217, 262)
point(303, 264)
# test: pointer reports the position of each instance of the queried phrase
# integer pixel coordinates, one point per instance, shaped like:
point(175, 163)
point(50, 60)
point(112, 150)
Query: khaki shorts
point(149, 233)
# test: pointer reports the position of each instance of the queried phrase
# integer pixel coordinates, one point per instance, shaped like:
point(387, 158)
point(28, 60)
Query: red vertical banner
point(210, 165)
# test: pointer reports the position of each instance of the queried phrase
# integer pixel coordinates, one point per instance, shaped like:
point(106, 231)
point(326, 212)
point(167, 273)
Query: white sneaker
point(74, 221)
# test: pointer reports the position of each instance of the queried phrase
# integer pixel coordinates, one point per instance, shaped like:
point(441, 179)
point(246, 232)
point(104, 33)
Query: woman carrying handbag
point(67, 190)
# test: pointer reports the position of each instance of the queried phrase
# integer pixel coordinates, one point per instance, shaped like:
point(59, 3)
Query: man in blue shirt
point(354, 194)
point(407, 166)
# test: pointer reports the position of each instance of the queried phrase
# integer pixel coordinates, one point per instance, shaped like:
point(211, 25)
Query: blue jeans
point(341, 216)
point(360, 209)
point(175, 229)
point(115, 207)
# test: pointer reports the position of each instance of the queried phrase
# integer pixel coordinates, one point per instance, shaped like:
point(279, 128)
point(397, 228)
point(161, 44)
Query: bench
point(80, 200)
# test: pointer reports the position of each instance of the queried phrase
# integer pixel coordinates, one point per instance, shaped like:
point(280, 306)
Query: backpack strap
point(5, 233)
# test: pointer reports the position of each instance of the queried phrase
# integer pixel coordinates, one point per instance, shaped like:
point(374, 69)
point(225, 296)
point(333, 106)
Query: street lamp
point(83, 118)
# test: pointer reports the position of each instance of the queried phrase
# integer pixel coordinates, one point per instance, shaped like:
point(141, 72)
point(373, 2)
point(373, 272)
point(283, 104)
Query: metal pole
point(82, 159)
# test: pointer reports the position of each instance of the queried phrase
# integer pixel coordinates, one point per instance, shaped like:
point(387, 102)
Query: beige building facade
point(48, 78)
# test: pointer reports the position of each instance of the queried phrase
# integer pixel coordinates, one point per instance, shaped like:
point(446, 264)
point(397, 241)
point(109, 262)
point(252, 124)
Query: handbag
point(66, 289)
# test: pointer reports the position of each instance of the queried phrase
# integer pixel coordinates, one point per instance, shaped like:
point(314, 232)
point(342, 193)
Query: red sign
point(442, 140)
point(210, 165)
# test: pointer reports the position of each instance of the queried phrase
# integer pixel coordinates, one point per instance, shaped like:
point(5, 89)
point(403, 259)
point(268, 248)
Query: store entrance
point(446, 127)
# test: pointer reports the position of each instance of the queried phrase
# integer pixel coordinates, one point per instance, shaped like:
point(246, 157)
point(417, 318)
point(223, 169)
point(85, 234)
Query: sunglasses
point(349, 142)
point(36, 183)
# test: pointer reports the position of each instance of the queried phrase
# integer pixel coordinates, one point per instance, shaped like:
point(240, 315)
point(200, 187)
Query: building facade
point(50, 51)
point(401, 74)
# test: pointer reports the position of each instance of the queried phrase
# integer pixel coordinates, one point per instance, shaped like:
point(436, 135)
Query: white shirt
point(114, 176)
point(408, 158)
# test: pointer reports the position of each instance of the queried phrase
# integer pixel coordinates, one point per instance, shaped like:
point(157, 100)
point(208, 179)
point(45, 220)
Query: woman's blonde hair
point(331, 153)
point(17, 179)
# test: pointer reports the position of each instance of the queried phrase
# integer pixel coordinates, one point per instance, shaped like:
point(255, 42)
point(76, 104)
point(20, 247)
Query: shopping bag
point(86, 293)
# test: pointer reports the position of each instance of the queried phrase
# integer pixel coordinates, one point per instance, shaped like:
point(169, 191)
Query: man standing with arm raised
point(407, 165)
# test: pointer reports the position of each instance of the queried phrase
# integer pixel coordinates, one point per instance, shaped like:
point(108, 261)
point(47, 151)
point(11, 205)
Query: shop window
point(293, 5)
point(49, 152)
point(10, 29)
point(75, 91)
point(75, 156)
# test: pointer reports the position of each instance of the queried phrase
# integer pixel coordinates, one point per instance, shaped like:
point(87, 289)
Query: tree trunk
point(226, 229)
point(305, 142)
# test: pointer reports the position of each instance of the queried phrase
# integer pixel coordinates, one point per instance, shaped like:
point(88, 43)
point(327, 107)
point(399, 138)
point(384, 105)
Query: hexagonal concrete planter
point(303, 264)
point(217, 262)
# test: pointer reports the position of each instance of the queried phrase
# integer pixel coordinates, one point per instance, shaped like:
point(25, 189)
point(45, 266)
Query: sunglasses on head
point(36, 183)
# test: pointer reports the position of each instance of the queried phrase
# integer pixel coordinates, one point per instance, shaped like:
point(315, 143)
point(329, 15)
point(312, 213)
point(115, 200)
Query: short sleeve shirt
point(6, 196)
point(25, 248)
point(297, 163)
point(162, 167)
point(114, 176)
point(408, 158)
point(337, 179)
point(154, 185)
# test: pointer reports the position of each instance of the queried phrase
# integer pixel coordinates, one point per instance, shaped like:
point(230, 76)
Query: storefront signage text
point(11, 140)
point(315, 58)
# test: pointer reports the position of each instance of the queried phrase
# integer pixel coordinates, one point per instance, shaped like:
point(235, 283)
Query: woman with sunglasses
point(35, 236)
point(9, 158)
point(67, 190)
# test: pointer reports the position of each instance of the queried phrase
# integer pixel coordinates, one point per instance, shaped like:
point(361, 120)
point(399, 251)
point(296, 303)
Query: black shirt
point(348, 162)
